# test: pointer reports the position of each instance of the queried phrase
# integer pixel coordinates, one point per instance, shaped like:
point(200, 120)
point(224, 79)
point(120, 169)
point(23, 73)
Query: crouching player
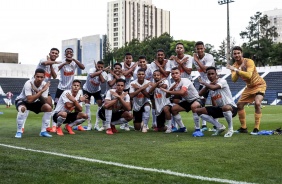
point(34, 98)
point(161, 102)
point(69, 108)
point(116, 108)
point(222, 98)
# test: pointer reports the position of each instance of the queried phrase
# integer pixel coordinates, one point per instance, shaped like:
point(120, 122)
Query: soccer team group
point(136, 90)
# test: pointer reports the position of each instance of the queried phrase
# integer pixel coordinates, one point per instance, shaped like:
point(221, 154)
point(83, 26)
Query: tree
point(259, 37)
point(107, 52)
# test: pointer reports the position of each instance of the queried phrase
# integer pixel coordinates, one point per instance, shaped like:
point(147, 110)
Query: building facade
point(275, 17)
point(135, 19)
point(7, 57)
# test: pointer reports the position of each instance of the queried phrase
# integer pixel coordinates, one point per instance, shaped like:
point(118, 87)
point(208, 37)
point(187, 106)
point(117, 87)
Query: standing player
point(34, 98)
point(182, 61)
point(128, 67)
point(92, 87)
point(224, 104)
point(67, 70)
point(116, 109)
point(114, 75)
point(162, 103)
point(254, 91)
point(202, 61)
point(141, 106)
point(69, 109)
point(190, 99)
point(9, 96)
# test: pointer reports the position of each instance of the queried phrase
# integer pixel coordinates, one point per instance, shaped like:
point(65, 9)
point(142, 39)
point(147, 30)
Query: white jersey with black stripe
point(139, 100)
point(61, 105)
point(67, 75)
point(191, 92)
point(93, 84)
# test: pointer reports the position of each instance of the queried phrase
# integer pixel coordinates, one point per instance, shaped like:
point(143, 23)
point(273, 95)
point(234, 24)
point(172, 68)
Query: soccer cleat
point(126, 127)
point(53, 129)
point(45, 134)
point(229, 133)
point(69, 129)
point(204, 128)
point(18, 135)
point(219, 131)
point(22, 130)
point(198, 133)
point(101, 129)
point(122, 126)
point(144, 129)
point(59, 131)
point(174, 129)
point(242, 130)
point(113, 127)
point(255, 131)
point(96, 127)
point(168, 131)
point(80, 128)
point(183, 129)
point(109, 131)
point(156, 129)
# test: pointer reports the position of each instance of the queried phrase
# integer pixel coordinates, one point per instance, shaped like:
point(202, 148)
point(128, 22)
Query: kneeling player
point(161, 102)
point(69, 109)
point(221, 96)
point(116, 108)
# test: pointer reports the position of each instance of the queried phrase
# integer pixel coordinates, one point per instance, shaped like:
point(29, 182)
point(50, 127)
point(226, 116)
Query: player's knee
point(147, 108)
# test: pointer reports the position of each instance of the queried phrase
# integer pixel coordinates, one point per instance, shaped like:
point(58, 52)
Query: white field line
point(130, 166)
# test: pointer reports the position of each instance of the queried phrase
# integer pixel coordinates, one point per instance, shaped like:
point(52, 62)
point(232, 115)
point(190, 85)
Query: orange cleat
point(53, 129)
point(109, 131)
point(59, 131)
point(80, 128)
point(69, 129)
point(22, 130)
point(114, 130)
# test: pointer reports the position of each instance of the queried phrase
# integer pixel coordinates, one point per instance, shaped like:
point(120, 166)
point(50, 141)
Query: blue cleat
point(18, 135)
point(45, 134)
point(198, 133)
point(174, 129)
point(183, 129)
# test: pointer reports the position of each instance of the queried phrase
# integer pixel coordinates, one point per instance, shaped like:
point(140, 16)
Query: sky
point(32, 27)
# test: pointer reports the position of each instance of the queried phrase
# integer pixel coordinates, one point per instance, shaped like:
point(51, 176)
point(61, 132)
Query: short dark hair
point(199, 43)
point(211, 68)
point(120, 80)
point(160, 50)
point(39, 70)
point(100, 62)
point(141, 70)
point(175, 68)
point(118, 64)
point(128, 54)
point(55, 50)
point(237, 48)
point(156, 71)
point(142, 57)
point(179, 43)
point(69, 49)
point(76, 80)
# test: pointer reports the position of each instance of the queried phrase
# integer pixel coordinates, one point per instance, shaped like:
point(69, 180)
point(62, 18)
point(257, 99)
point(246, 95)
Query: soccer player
point(67, 70)
point(34, 98)
point(162, 103)
point(202, 61)
point(142, 63)
point(92, 87)
point(114, 75)
point(182, 61)
point(128, 67)
point(141, 106)
point(255, 88)
point(184, 88)
point(116, 109)
point(9, 96)
point(224, 104)
point(69, 109)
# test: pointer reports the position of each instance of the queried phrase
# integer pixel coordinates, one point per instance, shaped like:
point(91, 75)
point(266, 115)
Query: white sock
point(154, 117)
point(146, 115)
point(60, 121)
point(97, 117)
point(46, 121)
point(77, 122)
point(108, 114)
point(211, 120)
point(20, 121)
point(178, 120)
point(25, 117)
point(196, 121)
point(204, 123)
point(228, 117)
point(168, 124)
point(88, 112)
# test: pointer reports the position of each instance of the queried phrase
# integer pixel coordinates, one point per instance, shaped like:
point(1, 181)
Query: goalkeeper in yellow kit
point(255, 88)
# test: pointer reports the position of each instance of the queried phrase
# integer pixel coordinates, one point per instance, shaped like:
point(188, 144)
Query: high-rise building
point(135, 19)
point(86, 50)
point(275, 17)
